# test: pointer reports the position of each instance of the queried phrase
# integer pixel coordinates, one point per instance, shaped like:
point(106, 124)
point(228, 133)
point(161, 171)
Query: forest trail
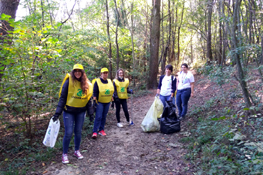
point(129, 150)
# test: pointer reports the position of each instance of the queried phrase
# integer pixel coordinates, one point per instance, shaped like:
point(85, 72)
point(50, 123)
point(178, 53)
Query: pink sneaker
point(78, 155)
point(102, 133)
point(94, 135)
point(65, 158)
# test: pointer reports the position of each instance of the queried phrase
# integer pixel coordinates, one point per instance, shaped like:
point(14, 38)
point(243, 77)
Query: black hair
point(184, 64)
point(170, 67)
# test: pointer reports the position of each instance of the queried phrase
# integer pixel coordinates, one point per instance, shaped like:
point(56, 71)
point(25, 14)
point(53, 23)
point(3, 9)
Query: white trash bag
point(150, 122)
point(52, 133)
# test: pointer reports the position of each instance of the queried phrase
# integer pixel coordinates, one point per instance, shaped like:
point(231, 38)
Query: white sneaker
point(119, 125)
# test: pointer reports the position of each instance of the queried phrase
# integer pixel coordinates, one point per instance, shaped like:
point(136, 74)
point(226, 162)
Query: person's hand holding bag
point(55, 117)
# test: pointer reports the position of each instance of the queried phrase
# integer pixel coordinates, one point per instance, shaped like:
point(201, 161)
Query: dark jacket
point(63, 100)
point(173, 83)
point(115, 95)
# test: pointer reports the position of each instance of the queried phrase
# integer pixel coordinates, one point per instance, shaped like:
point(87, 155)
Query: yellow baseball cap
point(104, 70)
point(78, 66)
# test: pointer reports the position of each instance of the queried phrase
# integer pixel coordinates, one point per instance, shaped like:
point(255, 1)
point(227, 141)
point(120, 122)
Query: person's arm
point(115, 91)
point(177, 82)
point(173, 86)
point(63, 99)
point(95, 91)
point(192, 79)
point(159, 85)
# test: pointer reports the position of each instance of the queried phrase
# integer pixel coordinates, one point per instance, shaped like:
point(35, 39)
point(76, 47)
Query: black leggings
point(122, 102)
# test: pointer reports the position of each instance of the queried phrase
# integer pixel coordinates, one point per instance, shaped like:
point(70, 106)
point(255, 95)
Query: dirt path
point(128, 150)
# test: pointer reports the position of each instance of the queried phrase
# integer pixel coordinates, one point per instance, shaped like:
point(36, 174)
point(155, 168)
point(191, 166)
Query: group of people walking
point(79, 96)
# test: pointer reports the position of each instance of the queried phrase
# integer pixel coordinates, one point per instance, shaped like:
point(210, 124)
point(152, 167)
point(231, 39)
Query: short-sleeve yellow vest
point(105, 91)
point(121, 88)
point(76, 98)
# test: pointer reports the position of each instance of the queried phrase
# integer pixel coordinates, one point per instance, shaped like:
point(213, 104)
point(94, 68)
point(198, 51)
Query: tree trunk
point(224, 35)
point(178, 39)
point(261, 35)
point(241, 77)
point(116, 37)
point(209, 36)
point(133, 56)
point(8, 7)
point(154, 45)
point(109, 41)
point(220, 34)
point(162, 53)
point(146, 39)
point(192, 57)
point(250, 22)
point(170, 28)
point(173, 35)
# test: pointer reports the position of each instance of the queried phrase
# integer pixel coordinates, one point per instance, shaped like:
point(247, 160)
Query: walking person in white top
point(185, 90)
point(167, 85)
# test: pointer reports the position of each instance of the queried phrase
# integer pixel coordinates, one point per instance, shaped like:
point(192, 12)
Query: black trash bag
point(169, 122)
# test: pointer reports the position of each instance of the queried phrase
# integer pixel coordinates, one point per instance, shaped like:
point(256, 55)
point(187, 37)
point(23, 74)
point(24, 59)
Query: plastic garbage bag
point(169, 123)
point(150, 122)
point(51, 133)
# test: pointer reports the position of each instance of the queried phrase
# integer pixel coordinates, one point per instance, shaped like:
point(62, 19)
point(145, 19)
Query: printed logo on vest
point(79, 92)
point(107, 92)
point(122, 89)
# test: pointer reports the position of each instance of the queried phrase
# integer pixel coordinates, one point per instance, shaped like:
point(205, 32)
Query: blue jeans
point(182, 98)
point(71, 119)
point(166, 98)
point(100, 118)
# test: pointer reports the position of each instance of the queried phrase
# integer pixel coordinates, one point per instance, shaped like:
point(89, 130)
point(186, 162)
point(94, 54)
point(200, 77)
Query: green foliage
point(37, 55)
point(224, 141)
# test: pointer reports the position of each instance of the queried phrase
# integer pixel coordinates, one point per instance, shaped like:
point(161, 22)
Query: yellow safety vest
point(93, 81)
point(105, 91)
point(75, 96)
point(122, 88)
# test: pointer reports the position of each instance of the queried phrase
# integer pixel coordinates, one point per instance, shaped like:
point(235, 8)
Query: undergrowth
point(225, 137)
point(24, 158)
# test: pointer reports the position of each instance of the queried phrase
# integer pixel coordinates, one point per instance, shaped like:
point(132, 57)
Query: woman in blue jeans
point(185, 90)
point(167, 85)
point(102, 95)
point(75, 93)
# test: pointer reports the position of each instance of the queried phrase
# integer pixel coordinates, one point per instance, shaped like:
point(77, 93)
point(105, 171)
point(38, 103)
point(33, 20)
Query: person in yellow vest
point(121, 88)
point(75, 93)
point(102, 93)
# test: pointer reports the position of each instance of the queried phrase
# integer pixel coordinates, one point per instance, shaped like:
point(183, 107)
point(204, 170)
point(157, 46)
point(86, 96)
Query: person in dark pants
point(75, 93)
point(102, 96)
point(185, 90)
point(120, 95)
point(167, 85)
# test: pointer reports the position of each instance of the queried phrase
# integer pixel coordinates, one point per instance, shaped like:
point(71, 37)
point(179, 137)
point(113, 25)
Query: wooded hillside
point(220, 38)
